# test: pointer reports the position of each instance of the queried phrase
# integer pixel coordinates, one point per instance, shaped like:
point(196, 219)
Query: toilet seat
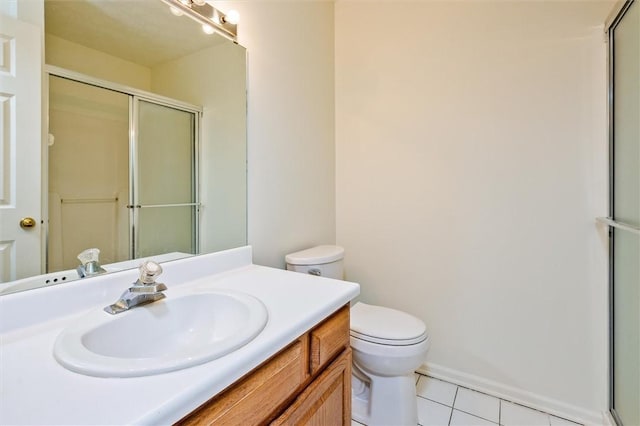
point(385, 326)
point(386, 353)
point(388, 342)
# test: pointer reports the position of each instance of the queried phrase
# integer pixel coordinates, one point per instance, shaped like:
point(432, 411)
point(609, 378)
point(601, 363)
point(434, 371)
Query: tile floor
point(444, 403)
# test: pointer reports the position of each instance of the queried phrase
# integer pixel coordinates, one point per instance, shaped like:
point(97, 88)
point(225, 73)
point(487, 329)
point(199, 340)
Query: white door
point(20, 148)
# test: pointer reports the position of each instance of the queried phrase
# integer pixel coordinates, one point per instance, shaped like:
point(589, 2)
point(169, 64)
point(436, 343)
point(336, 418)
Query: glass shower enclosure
point(624, 220)
point(164, 186)
point(122, 173)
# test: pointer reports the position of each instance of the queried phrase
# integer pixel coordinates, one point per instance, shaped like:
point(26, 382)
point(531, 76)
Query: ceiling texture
point(140, 31)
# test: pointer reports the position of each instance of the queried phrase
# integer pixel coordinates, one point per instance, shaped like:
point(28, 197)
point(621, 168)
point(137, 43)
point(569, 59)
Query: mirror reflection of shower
point(122, 175)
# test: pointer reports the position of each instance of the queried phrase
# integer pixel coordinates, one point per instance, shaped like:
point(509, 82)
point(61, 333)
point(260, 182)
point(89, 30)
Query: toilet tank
point(325, 261)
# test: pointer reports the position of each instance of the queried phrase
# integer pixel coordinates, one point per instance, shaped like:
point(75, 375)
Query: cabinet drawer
point(259, 395)
point(329, 339)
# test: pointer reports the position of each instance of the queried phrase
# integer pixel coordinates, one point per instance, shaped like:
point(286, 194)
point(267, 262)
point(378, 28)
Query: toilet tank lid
point(316, 255)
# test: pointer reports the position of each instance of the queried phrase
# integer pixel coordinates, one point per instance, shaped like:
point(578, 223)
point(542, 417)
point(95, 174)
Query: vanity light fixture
point(232, 17)
point(211, 19)
point(208, 29)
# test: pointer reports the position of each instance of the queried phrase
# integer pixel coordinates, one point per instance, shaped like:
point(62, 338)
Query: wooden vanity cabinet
point(307, 383)
point(326, 401)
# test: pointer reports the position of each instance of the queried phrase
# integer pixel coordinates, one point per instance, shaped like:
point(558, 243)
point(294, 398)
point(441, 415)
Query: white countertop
point(36, 390)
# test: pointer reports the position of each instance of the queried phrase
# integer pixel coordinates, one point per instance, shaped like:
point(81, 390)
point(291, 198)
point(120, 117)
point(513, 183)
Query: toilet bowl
point(387, 345)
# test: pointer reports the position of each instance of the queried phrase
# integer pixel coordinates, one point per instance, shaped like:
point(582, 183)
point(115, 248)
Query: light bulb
point(199, 2)
point(232, 17)
point(208, 29)
point(175, 11)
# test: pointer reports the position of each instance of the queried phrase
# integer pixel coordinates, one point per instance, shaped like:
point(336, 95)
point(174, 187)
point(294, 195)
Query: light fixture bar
point(206, 15)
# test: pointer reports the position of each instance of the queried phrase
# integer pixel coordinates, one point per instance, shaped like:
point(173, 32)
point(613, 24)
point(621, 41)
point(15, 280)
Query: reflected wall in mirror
point(118, 75)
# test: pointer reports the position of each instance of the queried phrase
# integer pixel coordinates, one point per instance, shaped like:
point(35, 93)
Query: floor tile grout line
point(455, 395)
point(480, 417)
point(443, 381)
point(433, 400)
point(500, 399)
point(549, 415)
point(476, 416)
point(452, 404)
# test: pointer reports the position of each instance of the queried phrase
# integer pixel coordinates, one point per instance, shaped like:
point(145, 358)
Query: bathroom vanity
point(296, 370)
point(309, 382)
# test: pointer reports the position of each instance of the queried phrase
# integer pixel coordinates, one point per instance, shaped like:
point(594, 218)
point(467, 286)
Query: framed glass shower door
point(624, 220)
point(87, 173)
point(122, 173)
point(164, 184)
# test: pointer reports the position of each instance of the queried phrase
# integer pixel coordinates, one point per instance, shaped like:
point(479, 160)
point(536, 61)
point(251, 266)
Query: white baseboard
point(519, 396)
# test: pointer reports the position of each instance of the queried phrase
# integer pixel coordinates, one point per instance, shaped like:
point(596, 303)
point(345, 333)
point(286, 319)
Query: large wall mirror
point(144, 139)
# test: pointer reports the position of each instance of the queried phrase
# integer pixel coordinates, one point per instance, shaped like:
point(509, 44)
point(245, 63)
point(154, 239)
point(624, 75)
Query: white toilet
point(388, 346)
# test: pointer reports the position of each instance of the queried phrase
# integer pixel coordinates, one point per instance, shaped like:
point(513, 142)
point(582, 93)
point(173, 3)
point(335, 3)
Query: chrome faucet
point(144, 290)
point(89, 264)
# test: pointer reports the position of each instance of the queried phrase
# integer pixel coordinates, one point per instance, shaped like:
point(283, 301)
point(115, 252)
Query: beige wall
point(470, 165)
point(75, 57)
point(290, 125)
point(223, 152)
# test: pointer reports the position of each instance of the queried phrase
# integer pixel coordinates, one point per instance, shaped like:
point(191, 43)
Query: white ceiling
point(140, 31)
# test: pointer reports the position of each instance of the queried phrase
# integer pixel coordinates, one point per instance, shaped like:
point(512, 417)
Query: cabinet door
point(260, 395)
point(326, 401)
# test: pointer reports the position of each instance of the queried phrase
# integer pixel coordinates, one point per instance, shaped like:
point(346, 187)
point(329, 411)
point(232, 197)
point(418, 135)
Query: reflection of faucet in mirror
point(89, 263)
point(144, 290)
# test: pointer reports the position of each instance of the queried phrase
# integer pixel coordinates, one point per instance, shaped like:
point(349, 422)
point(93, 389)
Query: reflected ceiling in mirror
point(139, 45)
point(140, 31)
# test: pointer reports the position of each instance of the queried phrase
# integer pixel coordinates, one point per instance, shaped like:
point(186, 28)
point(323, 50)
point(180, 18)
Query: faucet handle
point(89, 255)
point(148, 288)
point(89, 264)
point(149, 270)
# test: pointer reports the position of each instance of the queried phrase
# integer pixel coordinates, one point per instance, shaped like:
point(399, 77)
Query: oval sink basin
point(167, 335)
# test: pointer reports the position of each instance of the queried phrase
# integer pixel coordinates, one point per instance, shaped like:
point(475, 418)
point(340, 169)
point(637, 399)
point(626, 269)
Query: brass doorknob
point(27, 222)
